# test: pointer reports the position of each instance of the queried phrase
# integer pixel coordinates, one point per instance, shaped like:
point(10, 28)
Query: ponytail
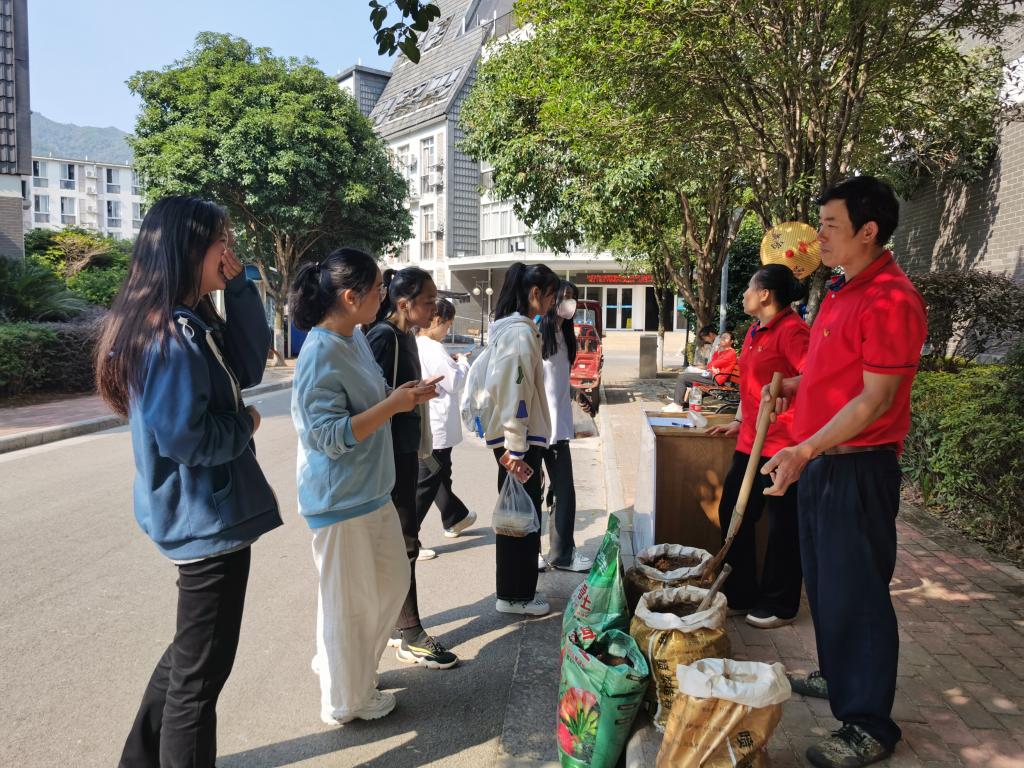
point(407, 283)
point(515, 291)
point(781, 282)
point(318, 284)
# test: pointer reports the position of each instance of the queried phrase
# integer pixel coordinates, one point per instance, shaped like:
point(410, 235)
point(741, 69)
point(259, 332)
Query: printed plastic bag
point(599, 602)
point(514, 513)
point(670, 631)
point(664, 566)
point(724, 714)
point(603, 681)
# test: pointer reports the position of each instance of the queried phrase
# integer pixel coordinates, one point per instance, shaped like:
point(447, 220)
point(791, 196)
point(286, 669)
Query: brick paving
point(960, 692)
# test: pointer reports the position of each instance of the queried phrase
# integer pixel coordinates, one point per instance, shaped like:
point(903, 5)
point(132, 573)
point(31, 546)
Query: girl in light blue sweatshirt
point(345, 473)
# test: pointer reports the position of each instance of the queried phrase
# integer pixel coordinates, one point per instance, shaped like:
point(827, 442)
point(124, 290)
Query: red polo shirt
point(875, 322)
point(725, 361)
point(781, 345)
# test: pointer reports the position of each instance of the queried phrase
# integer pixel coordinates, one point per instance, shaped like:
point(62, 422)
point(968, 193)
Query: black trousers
point(403, 495)
point(436, 486)
point(176, 725)
point(848, 507)
point(516, 557)
point(778, 589)
point(562, 500)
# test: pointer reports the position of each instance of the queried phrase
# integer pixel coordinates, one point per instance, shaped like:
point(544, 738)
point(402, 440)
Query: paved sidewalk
point(960, 694)
point(47, 419)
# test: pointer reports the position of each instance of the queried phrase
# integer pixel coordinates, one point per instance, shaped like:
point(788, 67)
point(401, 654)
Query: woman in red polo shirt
point(777, 341)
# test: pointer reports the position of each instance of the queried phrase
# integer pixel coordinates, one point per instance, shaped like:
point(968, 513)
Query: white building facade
point(66, 192)
point(462, 236)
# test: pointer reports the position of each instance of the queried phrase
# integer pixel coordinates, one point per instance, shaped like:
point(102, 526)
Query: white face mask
point(566, 309)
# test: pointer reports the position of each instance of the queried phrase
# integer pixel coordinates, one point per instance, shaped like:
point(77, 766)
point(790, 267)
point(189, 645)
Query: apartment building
point(463, 236)
point(66, 192)
point(15, 125)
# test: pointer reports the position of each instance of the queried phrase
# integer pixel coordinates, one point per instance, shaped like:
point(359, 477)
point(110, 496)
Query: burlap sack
point(667, 640)
point(644, 577)
point(724, 714)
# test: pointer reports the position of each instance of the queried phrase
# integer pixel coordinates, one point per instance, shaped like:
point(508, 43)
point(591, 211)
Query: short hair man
point(851, 418)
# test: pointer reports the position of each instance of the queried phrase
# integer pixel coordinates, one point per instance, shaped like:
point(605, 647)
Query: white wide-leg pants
point(364, 578)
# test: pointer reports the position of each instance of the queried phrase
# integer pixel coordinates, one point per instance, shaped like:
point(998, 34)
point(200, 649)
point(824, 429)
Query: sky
point(81, 54)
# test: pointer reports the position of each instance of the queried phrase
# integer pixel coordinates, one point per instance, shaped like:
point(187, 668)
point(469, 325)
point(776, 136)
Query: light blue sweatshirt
point(339, 478)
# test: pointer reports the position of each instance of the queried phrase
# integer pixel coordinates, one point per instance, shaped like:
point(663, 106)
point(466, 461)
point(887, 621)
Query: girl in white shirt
point(558, 344)
point(435, 478)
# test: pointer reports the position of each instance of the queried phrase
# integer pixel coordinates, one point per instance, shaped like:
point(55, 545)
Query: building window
point(137, 213)
point(428, 156)
point(427, 228)
point(67, 210)
point(39, 174)
point(41, 209)
point(67, 175)
point(113, 182)
point(136, 184)
point(114, 214)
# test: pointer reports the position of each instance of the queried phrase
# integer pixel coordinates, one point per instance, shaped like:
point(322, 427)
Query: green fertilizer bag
point(599, 603)
point(604, 677)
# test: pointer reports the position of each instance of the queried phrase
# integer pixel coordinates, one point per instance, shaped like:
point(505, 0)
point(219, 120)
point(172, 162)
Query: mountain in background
point(78, 142)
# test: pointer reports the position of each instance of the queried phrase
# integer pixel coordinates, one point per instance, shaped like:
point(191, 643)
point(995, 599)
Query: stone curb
point(33, 437)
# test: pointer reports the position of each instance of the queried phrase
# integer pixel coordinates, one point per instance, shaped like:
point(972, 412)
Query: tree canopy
point(277, 142)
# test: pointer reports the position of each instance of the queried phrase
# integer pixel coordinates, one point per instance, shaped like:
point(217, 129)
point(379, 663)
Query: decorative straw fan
point(793, 244)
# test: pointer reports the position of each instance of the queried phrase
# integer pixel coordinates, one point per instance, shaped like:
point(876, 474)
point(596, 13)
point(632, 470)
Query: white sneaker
point(536, 607)
point(580, 563)
point(315, 666)
point(426, 554)
point(459, 527)
point(542, 563)
point(381, 703)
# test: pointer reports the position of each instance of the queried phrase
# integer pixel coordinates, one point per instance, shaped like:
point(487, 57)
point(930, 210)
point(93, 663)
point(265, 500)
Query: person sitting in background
point(702, 349)
point(719, 370)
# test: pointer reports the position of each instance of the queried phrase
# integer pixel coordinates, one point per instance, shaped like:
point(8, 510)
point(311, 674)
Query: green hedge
point(47, 357)
point(965, 452)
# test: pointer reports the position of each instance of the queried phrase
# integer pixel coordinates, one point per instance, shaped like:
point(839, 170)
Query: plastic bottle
point(696, 398)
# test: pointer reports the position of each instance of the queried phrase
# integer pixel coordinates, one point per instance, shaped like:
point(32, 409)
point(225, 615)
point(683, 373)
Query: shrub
point(23, 356)
point(31, 291)
point(965, 452)
point(48, 357)
point(98, 285)
point(981, 310)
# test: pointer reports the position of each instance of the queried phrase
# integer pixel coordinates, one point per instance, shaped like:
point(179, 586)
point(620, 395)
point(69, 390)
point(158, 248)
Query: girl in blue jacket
point(345, 475)
point(175, 369)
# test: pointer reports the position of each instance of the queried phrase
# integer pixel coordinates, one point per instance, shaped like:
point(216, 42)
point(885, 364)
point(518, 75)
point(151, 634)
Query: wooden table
point(679, 485)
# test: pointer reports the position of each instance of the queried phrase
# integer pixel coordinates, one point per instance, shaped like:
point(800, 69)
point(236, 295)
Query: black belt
point(841, 450)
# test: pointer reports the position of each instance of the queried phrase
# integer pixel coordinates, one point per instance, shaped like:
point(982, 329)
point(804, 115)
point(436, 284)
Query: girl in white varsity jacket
point(519, 427)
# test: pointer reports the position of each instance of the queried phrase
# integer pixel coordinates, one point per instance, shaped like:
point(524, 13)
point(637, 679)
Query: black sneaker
point(427, 652)
point(849, 747)
point(813, 685)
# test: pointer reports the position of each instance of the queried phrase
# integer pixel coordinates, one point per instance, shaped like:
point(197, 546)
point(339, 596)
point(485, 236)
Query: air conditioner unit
point(520, 245)
point(438, 166)
point(91, 209)
point(90, 173)
point(440, 230)
point(90, 189)
point(436, 179)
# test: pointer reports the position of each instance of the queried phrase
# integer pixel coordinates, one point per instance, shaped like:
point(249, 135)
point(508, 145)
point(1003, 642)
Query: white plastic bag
point(514, 514)
point(750, 683)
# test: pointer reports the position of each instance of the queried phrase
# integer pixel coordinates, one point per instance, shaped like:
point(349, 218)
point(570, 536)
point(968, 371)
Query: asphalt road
point(87, 607)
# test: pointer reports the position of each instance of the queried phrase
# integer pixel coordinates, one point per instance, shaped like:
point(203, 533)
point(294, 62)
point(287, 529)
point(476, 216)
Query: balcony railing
point(67, 219)
point(67, 183)
point(113, 223)
point(40, 181)
point(41, 218)
point(113, 189)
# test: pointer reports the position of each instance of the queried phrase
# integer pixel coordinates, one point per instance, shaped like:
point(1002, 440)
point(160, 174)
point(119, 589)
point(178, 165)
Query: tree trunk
point(816, 290)
point(659, 298)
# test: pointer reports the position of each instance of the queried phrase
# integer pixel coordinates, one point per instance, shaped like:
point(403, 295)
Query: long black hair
point(515, 291)
point(165, 272)
point(318, 284)
point(406, 283)
point(781, 282)
point(551, 324)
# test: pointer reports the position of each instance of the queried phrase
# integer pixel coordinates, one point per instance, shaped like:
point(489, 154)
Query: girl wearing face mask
point(519, 426)
point(558, 346)
point(435, 480)
point(409, 304)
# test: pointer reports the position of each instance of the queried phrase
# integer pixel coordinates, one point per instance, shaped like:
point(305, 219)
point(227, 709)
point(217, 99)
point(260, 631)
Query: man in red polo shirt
point(850, 422)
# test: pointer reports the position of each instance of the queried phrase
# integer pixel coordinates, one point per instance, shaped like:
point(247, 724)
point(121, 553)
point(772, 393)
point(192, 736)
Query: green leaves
point(402, 35)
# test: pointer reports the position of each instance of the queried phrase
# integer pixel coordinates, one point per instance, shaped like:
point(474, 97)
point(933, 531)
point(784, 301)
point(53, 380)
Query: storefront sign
point(611, 279)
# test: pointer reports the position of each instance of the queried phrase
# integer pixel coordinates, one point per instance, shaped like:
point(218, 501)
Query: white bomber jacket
point(515, 380)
